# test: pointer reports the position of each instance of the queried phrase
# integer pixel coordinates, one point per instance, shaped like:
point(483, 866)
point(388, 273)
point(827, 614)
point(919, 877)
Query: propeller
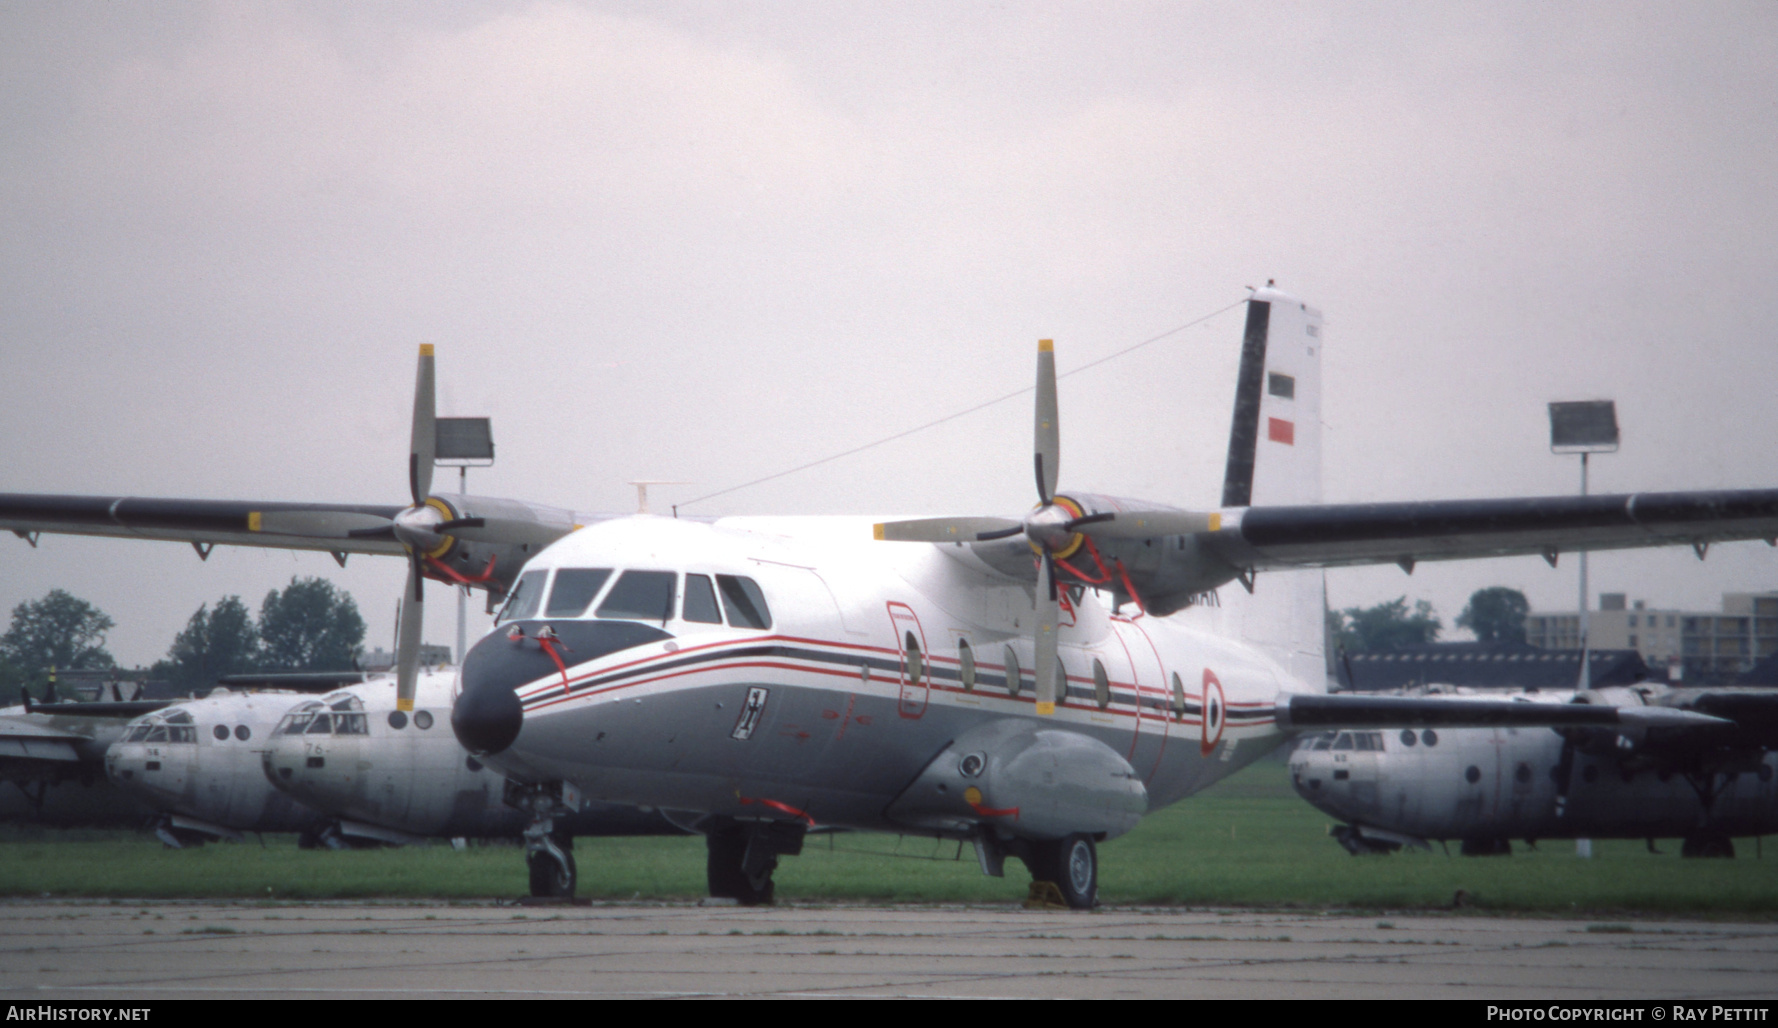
point(418, 528)
point(1053, 527)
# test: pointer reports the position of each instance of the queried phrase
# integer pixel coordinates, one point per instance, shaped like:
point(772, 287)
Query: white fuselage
point(830, 711)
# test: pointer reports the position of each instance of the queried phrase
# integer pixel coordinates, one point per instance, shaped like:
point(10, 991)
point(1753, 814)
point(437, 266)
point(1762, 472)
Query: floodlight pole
point(463, 590)
point(1586, 671)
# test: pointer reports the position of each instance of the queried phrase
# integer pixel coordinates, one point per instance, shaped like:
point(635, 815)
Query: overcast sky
point(707, 242)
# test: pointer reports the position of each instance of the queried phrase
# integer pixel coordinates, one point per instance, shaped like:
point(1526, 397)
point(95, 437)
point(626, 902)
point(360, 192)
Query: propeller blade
point(945, 530)
point(407, 641)
point(1145, 524)
point(1048, 615)
point(1048, 447)
point(424, 442)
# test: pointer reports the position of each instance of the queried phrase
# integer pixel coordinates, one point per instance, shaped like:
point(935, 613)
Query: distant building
point(1487, 666)
point(382, 660)
point(1703, 646)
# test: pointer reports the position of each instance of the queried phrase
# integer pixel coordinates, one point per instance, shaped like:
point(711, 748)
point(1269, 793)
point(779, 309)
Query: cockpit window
point(294, 722)
point(175, 726)
point(640, 596)
point(574, 589)
point(178, 717)
point(700, 601)
point(1344, 742)
point(745, 604)
point(522, 602)
point(1324, 740)
point(136, 734)
point(350, 724)
point(349, 701)
point(321, 725)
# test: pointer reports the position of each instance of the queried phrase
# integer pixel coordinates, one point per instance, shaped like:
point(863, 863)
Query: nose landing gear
point(549, 851)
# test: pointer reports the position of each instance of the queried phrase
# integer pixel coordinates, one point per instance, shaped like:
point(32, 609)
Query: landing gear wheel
point(549, 877)
point(1360, 845)
point(727, 874)
point(552, 866)
point(1708, 844)
point(1072, 864)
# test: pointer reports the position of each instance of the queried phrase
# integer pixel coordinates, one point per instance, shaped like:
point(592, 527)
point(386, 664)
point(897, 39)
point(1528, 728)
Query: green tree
point(58, 631)
point(1496, 615)
point(1386, 626)
point(310, 626)
point(214, 643)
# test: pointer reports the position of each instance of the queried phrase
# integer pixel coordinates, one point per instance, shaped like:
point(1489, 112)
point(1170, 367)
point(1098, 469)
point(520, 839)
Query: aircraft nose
point(488, 715)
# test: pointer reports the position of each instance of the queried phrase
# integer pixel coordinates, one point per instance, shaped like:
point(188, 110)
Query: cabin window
point(574, 588)
point(965, 664)
point(916, 666)
point(700, 601)
point(1283, 386)
point(641, 596)
point(1178, 695)
point(220, 732)
point(1013, 674)
point(243, 733)
point(1408, 738)
point(422, 719)
point(397, 720)
point(744, 603)
point(522, 603)
point(1101, 686)
point(1472, 774)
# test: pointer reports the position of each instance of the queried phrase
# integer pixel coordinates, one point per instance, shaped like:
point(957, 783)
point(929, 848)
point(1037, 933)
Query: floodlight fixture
point(464, 442)
point(1585, 426)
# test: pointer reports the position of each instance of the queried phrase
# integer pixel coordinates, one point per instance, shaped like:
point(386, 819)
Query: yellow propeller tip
point(1046, 709)
point(425, 349)
point(254, 521)
point(876, 531)
point(1046, 346)
point(405, 706)
point(1216, 522)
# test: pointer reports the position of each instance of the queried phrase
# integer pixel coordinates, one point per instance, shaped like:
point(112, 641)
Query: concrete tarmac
point(222, 950)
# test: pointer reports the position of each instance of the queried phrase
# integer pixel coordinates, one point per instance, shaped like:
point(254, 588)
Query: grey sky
point(706, 242)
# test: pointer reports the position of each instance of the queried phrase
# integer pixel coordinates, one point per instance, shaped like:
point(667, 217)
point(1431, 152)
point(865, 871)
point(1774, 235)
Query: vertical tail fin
point(1275, 458)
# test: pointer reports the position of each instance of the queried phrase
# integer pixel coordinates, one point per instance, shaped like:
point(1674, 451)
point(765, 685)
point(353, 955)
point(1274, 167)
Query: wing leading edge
point(1331, 535)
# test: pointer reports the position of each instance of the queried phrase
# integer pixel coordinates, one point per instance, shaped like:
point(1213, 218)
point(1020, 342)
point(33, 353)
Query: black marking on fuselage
point(1237, 483)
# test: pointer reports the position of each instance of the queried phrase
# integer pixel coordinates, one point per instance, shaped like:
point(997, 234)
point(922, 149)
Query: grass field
point(1249, 841)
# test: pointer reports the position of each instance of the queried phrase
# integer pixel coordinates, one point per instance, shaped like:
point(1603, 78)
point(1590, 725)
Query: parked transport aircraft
point(1704, 783)
point(958, 677)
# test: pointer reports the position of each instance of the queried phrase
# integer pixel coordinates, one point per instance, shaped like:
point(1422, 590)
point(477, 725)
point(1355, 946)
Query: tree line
point(307, 626)
point(1496, 615)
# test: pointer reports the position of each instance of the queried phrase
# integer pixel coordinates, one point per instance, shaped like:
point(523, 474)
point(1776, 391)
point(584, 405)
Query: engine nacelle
point(1027, 781)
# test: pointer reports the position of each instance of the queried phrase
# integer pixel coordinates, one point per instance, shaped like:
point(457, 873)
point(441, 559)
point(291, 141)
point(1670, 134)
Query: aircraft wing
point(25, 742)
point(1316, 711)
point(284, 526)
point(1330, 535)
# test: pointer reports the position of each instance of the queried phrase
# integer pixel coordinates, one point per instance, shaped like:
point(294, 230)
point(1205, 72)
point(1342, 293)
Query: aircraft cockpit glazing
point(341, 714)
point(169, 726)
point(638, 595)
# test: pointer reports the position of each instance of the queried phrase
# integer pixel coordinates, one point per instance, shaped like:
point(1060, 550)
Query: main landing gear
point(1072, 863)
point(742, 856)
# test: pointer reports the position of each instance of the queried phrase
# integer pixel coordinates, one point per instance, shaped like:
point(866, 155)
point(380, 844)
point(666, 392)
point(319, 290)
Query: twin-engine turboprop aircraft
point(1703, 783)
point(958, 677)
